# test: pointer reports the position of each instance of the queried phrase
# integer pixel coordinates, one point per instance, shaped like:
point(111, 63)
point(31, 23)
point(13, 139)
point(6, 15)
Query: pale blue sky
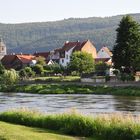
point(17, 11)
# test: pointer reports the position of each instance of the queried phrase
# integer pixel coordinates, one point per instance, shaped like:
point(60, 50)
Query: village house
point(63, 55)
point(105, 55)
point(70, 47)
point(18, 61)
point(2, 49)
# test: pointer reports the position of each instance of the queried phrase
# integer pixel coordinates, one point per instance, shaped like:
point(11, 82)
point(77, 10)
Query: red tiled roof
point(25, 58)
point(77, 45)
point(43, 54)
point(7, 59)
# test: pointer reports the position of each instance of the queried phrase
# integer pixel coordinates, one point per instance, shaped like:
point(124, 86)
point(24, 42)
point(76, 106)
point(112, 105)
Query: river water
point(61, 103)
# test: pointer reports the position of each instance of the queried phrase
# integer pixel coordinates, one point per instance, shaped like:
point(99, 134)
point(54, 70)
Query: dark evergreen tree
point(126, 52)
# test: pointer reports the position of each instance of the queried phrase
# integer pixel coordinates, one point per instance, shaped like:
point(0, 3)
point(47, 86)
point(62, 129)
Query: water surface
point(61, 103)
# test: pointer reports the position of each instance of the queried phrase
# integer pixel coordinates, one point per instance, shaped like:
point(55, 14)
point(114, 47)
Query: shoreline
point(69, 88)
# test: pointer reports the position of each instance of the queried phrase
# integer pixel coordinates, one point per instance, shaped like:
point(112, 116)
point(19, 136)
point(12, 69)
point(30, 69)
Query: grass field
point(107, 127)
point(18, 132)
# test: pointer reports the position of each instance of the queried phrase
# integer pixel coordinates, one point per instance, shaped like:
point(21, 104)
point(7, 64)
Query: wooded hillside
point(44, 36)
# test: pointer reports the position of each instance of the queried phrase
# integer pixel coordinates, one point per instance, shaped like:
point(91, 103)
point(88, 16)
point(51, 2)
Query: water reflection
point(61, 103)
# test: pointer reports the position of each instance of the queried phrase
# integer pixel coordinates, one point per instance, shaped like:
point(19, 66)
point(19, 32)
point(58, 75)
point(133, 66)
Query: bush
point(127, 77)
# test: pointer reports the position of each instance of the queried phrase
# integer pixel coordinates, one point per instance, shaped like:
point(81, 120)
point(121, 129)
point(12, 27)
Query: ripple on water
point(60, 103)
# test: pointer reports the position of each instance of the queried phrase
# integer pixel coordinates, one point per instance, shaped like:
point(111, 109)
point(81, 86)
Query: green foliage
point(55, 69)
point(41, 61)
point(118, 127)
point(2, 69)
point(126, 52)
point(31, 37)
point(127, 77)
point(10, 77)
point(73, 89)
point(26, 72)
point(38, 69)
point(81, 62)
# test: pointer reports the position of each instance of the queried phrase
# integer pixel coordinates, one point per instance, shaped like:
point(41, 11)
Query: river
point(93, 104)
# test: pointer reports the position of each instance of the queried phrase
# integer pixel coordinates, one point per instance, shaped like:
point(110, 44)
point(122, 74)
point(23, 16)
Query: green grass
point(17, 132)
point(107, 127)
point(72, 89)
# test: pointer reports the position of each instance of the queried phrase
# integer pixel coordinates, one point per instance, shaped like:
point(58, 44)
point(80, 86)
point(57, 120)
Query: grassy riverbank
point(18, 132)
point(107, 127)
point(72, 89)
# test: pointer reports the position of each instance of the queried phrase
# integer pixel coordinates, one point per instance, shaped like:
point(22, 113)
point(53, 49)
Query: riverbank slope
point(61, 88)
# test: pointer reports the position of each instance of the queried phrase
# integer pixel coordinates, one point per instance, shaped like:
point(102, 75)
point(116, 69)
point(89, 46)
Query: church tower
point(2, 49)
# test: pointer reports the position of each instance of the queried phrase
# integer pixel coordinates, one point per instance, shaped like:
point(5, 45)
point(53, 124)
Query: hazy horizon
point(69, 18)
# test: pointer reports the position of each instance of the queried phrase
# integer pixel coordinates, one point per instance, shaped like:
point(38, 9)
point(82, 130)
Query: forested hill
point(44, 36)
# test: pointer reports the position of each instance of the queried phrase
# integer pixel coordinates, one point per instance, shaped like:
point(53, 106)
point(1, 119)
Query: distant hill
point(44, 36)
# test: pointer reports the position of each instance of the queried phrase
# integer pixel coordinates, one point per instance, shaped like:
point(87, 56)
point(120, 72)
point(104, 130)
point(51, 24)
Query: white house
point(70, 47)
point(66, 53)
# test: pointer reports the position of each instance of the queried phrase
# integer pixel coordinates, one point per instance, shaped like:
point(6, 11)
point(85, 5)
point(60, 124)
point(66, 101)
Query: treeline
point(43, 36)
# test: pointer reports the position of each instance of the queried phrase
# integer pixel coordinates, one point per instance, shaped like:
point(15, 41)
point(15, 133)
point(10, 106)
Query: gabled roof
point(25, 58)
point(68, 45)
point(43, 54)
point(7, 59)
point(79, 45)
point(76, 45)
point(107, 50)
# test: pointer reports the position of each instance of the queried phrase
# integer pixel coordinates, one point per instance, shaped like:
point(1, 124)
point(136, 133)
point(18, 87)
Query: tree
point(26, 72)
point(10, 77)
point(41, 61)
point(81, 62)
point(38, 69)
point(126, 52)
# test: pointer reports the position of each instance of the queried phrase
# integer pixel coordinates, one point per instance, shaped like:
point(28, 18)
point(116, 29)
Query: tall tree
point(126, 52)
point(81, 62)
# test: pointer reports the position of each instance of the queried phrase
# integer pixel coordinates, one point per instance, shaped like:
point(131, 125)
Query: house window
point(62, 60)
point(67, 57)
point(2, 48)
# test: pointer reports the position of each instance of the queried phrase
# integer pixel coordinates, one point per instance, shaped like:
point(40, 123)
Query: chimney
point(67, 42)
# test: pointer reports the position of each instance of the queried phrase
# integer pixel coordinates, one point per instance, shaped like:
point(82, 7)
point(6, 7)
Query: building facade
point(2, 49)
point(70, 47)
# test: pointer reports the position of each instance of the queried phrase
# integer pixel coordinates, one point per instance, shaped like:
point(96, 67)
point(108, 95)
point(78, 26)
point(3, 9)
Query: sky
point(19, 11)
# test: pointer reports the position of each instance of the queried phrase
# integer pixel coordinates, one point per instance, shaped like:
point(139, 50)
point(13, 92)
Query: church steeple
point(2, 48)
